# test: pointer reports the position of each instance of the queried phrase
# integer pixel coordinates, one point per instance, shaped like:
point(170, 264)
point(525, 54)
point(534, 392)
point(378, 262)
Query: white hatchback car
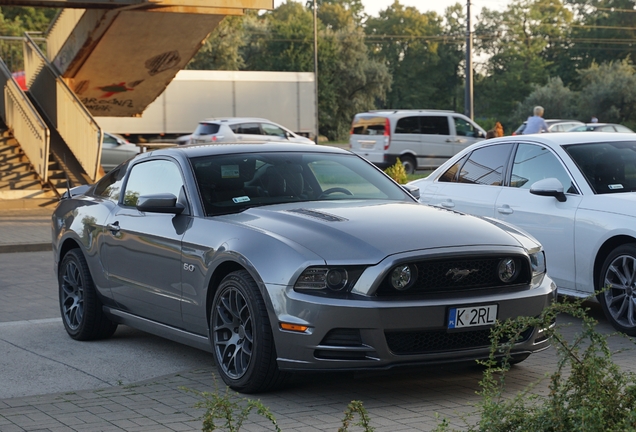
point(574, 192)
point(237, 129)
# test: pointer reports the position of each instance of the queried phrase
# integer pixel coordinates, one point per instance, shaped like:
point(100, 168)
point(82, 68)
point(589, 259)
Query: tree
point(14, 21)
point(408, 43)
point(221, 50)
point(557, 100)
point(609, 92)
point(521, 43)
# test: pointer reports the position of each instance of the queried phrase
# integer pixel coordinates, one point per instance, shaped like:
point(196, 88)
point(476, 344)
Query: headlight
point(334, 279)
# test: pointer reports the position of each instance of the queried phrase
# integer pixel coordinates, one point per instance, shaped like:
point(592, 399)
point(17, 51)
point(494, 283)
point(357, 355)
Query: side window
point(434, 125)
point(110, 185)
point(485, 165)
point(270, 129)
point(109, 139)
point(534, 163)
point(408, 125)
point(464, 128)
point(250, 129)
point(451, 174)
point(152, 177)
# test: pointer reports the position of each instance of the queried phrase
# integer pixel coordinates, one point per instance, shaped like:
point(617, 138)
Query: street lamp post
point(468, 95)
point(316, 69)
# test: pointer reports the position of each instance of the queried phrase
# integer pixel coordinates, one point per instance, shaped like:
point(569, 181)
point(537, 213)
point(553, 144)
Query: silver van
point(422, 139)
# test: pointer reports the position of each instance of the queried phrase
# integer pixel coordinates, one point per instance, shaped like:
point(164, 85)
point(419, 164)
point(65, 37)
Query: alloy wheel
point(72, 295)
point(620, 293)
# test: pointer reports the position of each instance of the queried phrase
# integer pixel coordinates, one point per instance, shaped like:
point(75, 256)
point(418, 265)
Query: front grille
point(427, 342)
point(446, 275)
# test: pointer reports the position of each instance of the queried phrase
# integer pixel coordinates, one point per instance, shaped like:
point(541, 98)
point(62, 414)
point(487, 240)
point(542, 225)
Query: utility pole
point(468, 98)
point(316, 68)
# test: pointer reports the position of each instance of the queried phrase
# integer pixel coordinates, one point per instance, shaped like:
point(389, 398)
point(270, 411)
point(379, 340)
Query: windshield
point(232, 183)
point(607, 167)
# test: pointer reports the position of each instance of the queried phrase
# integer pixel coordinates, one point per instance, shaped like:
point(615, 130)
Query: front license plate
point(472, 316)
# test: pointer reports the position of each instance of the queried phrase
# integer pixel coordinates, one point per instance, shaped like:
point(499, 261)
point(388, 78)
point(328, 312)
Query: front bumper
point(371, 333)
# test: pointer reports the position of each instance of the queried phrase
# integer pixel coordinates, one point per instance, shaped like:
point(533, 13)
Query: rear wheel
point(618, 282)
point(409, 164)
point(80, 306)
point(242, 336)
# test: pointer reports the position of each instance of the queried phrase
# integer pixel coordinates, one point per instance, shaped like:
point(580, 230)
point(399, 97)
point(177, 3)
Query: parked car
point(115, 150)
point(601, 127)
point(237, 129)
point(419, 138)
point(554, 125)
point(284, 257)
point(574, 192)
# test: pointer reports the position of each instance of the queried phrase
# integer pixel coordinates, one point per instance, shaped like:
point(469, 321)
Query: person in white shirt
point(536, 124)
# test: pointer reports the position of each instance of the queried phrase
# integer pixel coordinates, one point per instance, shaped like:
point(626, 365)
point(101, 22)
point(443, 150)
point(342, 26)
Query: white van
point(422, 139)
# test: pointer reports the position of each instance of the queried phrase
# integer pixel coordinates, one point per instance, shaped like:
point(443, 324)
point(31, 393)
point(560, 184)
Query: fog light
point(336, 279)
point(507, 270)
point(402, 277)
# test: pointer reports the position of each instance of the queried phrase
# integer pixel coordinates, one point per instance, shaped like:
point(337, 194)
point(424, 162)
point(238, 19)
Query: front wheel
point(242, 337)
point(80, 306)
point(618, 284)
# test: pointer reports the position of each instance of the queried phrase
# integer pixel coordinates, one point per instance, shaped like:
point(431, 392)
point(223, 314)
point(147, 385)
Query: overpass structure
point(101, 58)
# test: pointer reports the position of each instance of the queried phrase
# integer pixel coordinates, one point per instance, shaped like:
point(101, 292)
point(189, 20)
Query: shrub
point(397, 172)
point(588, 392)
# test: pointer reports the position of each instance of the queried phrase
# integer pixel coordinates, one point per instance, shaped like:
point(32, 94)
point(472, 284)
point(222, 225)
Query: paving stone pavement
point(406, 400)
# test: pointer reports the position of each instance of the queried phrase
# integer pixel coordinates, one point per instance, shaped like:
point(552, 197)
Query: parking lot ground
point(138, 382)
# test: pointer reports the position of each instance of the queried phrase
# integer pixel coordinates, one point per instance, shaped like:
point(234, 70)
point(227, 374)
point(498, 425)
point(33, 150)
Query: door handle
point(447, 204)
point(505, 209)
point(113, 228)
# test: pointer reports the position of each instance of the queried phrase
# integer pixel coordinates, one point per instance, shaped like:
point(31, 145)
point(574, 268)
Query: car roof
point(555, 121)
point(234, 120)
point(566, 138)
point(228, 148)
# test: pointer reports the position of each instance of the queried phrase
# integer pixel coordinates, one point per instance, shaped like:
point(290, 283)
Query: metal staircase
point(102, 57)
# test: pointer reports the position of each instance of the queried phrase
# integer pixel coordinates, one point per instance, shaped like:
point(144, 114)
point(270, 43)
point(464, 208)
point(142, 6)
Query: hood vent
point(318, 215)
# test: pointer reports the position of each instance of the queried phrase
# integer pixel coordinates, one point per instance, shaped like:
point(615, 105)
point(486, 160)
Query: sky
point(372, 7)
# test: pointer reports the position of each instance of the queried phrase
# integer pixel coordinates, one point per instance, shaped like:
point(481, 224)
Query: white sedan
point(574, 192)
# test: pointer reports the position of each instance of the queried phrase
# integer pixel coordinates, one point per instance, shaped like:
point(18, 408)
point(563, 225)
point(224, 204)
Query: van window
point(465, 128)
point(363, 125)
point(434, 125)
point(408, 125)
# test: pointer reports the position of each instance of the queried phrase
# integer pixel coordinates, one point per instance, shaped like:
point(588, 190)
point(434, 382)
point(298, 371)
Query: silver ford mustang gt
point(280, 258)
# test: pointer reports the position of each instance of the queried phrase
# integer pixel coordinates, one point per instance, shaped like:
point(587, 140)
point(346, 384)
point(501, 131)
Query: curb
point(25, 247)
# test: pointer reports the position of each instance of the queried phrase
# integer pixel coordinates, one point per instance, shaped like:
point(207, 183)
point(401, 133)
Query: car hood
point(618, 203)
point(353, 232)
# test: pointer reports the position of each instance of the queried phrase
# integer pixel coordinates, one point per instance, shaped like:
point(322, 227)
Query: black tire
point(241, 336)
point(80, 306)
point(409, 163)
point(618, 280)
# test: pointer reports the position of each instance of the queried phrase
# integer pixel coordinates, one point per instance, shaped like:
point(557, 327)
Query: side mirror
point(160, 203)
point(414, 191)
point(549, 187)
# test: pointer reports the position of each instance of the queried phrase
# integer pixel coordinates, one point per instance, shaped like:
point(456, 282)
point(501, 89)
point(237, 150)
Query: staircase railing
point(64, 110)
point(60, 29)
point(26, 125)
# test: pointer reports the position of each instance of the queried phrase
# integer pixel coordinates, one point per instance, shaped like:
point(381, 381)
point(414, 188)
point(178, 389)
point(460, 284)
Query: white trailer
point(287, 98)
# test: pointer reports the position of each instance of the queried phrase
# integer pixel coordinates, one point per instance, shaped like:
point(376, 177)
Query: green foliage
point(228, 412)
point(353, 408)
point(588, 392)
point(221, 50)
point(609, 92)
point(397, 172)
point(558, 101)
